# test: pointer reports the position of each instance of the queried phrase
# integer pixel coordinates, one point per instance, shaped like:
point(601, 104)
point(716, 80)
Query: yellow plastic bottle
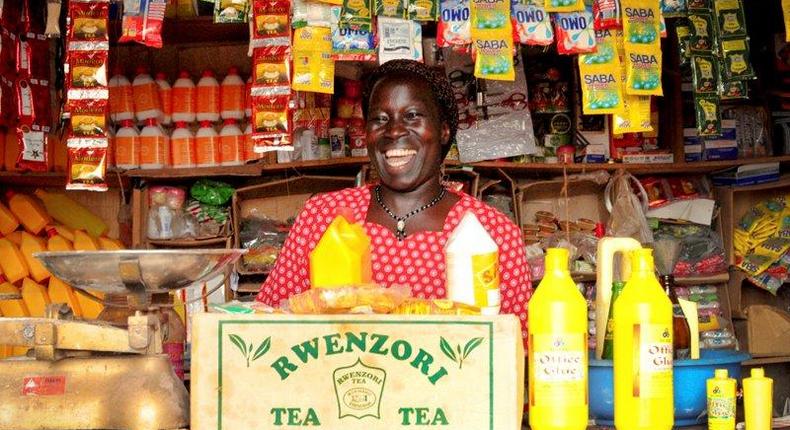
point(14, 308)
point(71, 214)
point(58, 242)
point(61, 292)
point(84, 242)
point(12, 261)
point(341, 257)
point(28, 211)
point(107, 244)
point(643, 350)
point(558, 350)
point(35, 297)
point(721, 401)
point(15, 237)
point(758, 400)
point(62, 230)
point(8, 221)
point(31, 245)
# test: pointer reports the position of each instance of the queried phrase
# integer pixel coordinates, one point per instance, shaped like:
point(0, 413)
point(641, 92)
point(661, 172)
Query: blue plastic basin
point(689, 379)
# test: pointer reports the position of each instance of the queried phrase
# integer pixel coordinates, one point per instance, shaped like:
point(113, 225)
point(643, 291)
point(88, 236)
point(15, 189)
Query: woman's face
point(404, 133)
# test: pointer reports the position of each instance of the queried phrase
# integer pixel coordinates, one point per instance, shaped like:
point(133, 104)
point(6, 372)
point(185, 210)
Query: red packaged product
point(25, 108)
point(41, 105)
point(87, 76)
point(88, 120)
point(657, 194)
point(38, 47)
point(87, 166)
point(8, 50)
point(684, 188)
point(11, 15)
point(271, 117)
point(32, 149)
point(8, 110)
point(88, 24)
point(606, 14)
point(143, 23)
point(271, 24)
point(35, 16)
point(271, 73)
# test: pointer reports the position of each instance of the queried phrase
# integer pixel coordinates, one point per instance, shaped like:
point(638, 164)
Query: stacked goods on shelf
point(180, 124)
point(46, 221)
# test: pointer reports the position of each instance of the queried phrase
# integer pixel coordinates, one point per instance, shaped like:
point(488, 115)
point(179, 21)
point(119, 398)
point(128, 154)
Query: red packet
point(8, 109)
point(271, 24)
point(88, 120)
point(87, 166)
point(42, 105)
point(11, 15)
point(25, 108)
point(271, 118)
point(88, 22)
point(271, 73)
point(87, 76)
point(35, 16)
point(143, 22)
point(33, 57)
point(8, 50)
point(32, 149)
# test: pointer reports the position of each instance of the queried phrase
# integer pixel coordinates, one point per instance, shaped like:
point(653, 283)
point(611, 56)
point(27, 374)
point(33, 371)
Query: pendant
point(401, 226)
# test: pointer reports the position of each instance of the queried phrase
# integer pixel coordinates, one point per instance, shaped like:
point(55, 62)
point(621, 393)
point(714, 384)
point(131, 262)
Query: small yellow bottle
point(558, 398)
point(758, 400)
point(643, 351)
point(721, 401)
point(35, 297)
point(341, 257)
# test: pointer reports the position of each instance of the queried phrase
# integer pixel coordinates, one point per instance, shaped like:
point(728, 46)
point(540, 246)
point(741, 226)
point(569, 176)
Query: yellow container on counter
point(35, 297)
point(643, 350)
point(8, 221)
point(341, 257)
point(12, 261)
point(61, 292)
point(107, 244)
point(28, 211)
point(31, 245)
point(758, 400)
point(558, 397)
point(84, 242)
point(58, 242)
point(14, 308)
point(71, 213)
point(721, 401)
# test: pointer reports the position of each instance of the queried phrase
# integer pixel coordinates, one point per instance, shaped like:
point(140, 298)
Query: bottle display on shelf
point(121, 97)
point(232, 99)
point(146, 96)
point(207, 98)
point(182, 146)
point(207, 145)
point(165, 98)
point(154, 146)
point(127, 146)
point(184, 98)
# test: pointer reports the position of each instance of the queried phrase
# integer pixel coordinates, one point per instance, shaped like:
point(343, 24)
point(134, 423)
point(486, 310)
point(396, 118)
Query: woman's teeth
point(399, 157)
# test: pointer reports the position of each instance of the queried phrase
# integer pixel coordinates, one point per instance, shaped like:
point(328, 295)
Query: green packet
point(673, 8)
point(391, 8)
point(737, 64)
point(731, 19)
point(231, 11)
point(705, 74)
point(423, 10)
point(703, 32)
point(357, 15)
point(732, 90)
point(708, 110)
point(683, 31)
point(700, 4)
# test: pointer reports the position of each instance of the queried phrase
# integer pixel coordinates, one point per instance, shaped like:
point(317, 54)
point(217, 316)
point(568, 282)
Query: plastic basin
point(688, 380)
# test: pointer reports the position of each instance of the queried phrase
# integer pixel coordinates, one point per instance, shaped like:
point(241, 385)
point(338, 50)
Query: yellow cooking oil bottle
point(90, 308)
point(758, 400)
point(558, 350)
point(643, 350)
point(721, 401)
point(342, 256)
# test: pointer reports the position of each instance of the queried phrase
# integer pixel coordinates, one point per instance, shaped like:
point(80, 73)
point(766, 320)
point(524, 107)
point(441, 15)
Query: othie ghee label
point(356, 372)
point(653, 376)
point(559, 362)
point(485, 268)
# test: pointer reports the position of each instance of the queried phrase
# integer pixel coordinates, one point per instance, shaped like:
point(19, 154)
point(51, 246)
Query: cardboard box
point(767, 331)
point(279, 200)
point(356, 372)
point(585, 200)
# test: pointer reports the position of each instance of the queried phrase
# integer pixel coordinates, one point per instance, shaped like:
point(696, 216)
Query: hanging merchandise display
point(391, 8)
point(599, 74)
point(350, 44)
point(32, 149)
point(575, 32)
point(423, 10)
point(642, 46)
point(564, 5)
point(230, 11)
point(607, 14)
point(357, 15)
point(492, 36)
point(314, 13)
point(314, 68)
point(272, 22)
point(142, 22)
point(399, 39)
point(87, 165)
point(532, 23)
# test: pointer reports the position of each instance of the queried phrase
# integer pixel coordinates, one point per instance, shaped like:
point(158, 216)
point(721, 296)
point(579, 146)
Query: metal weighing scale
point(93, 375)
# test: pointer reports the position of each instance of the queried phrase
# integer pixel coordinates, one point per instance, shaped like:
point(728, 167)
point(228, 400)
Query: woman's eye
point(413, 115)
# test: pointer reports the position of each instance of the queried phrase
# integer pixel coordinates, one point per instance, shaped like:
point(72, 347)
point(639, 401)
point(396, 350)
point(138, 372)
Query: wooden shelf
point(196, 172)
point(51, 179)
point(194, 31)
point(317, 164)
point(766, 360)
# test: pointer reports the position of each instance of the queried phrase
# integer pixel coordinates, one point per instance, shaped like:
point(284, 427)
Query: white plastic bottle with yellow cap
point(558, 350)
point(721, 401)
point(472, 260)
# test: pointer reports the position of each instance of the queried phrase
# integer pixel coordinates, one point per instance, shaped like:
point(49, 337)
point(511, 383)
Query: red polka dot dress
point(417, 261)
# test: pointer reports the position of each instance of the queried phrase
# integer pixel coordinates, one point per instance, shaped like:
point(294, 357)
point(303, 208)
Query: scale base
point(114, 392)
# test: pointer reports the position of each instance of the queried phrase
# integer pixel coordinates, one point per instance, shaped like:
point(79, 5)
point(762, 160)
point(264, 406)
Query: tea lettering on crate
point(295, 417)
point(423, 417)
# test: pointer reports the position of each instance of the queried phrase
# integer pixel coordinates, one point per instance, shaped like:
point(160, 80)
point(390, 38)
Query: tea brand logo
point(247, 350)
point(359, 389)
point(458, 355)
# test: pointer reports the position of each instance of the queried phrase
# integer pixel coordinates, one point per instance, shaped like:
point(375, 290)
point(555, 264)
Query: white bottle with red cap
point(184, 98)
point(127, 146)
point(165, 98)
point(206, 145)
point(182, 146)
point(208, 98)
point(146, 96)
point(231, 144)
point(121, 97)
point(232, 96)
point(154, 146)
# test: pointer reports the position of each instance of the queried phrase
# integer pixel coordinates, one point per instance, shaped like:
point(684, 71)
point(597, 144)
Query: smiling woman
point(411, 122)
